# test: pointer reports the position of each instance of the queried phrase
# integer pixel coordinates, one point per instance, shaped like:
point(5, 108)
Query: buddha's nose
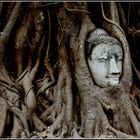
point(113, 68)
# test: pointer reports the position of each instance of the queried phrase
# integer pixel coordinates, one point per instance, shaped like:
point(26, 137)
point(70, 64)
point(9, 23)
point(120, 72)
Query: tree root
point(75, 134)
point(30, 101)
point(48, 115)
point(4, 38)
point(20, 115)
point(20, 46)
point(9, 95)
point(119, 134)
point(136, 110)
point(17, 128)
point(44, 86)
point(56, 125)
point(3, 114)
point(107, 129)
point(38, 21)
point(124, 109)
point(62, 93)
point(38, 123)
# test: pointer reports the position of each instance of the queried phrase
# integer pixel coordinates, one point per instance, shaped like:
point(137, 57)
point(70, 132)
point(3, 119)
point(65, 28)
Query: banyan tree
point(50, 65)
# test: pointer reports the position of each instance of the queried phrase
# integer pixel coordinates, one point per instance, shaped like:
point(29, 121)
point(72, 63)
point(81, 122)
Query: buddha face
point(105, 64)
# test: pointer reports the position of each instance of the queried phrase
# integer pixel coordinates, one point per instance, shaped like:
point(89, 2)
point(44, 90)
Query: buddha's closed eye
point(103, 59)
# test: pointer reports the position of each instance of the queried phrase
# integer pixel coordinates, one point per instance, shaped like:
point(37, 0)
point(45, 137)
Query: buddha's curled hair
point(99, 36)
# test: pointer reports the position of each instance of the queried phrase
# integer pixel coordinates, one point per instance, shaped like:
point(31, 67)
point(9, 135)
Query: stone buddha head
point(104, 58)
